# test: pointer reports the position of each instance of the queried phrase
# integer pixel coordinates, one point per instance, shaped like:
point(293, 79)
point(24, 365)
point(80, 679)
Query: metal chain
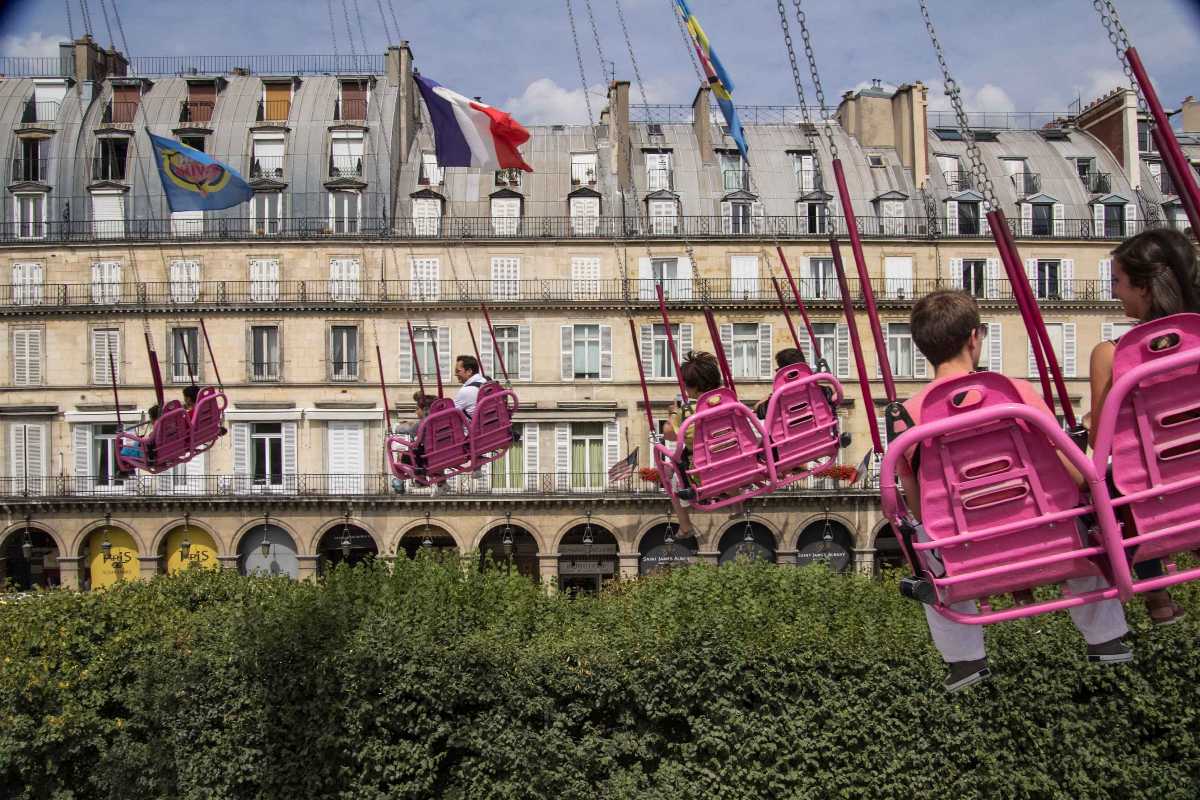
point(596, 36)
point(350, 35)
point(387, 31)
point(687, 40)
point(120, 29)
point(333, 32)
point(637, 73)
point(70, 24)
point(107, 25)
point(978, 172)
point(362, 36)
point(809, 127)
point(87, 16)
point(816, 75)
point(395, 22)
point(579, 59)
point(1111, 21)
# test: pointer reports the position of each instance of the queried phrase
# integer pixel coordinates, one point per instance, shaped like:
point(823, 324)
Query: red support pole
point(786, 314)
point(387, 409)
point(662, 309)
point(112, 373)
point(492, 331)
point(412, 343)
point(475, 347)
point(211, 357)
point(642, 379)
point(812, 336)
point(155, 372)
point(715, 334)
point(860, 262)
point(864, 382)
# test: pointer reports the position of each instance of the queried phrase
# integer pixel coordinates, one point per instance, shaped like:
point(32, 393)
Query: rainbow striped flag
point(718, 78)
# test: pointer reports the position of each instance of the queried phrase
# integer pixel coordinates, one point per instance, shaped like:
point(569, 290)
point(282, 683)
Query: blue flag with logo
point(194, 181)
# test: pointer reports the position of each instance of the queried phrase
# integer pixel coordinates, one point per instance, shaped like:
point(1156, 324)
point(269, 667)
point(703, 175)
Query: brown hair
point(788, 356)
point(423, 400)
point(1163, 262)
point(469, 363)
point(942, 323)
point(700, 371)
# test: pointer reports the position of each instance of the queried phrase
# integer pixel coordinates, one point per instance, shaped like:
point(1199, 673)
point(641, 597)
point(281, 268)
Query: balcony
point(1026, 183)
point(119, 112)
point(196, 112)
point(1166, 184)
point(136, 298)
point(735, 179)
point(809, 180)
point(30, 169)
point(40, 111)
point(266, 167)
point(1097, 182)
point(342, 166)
point(583, 174)
point(265, 371)
point(350, 109)
point(273, 110)
point(959, 181)
point(659, 179)
point(539, 485)
point(109, 169)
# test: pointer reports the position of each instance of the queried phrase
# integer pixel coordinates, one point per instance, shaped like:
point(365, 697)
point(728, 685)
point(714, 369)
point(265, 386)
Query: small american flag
point(623, 468)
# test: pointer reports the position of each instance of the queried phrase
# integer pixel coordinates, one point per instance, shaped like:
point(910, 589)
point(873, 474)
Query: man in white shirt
point(466, 369)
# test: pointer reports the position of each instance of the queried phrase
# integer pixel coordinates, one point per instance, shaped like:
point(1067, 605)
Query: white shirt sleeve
point(467, 394)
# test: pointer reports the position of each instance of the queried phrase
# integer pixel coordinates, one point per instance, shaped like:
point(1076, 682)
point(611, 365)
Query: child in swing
point(135, 450)
point(423, 401)
point(701, 373)
point(947, 330)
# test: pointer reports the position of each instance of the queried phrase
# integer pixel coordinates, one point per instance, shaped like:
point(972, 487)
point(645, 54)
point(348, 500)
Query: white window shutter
point(920, 365)
point(995, 348)
point(445, 357)
point(646, 346)
point(82, 443)
point(524, 353)
point(562, 454)
point(487, 352)
point(1033, 370)
point(241, 457)
point(406, 363)
point(612, 445)
point(1097, 219)
point(1130, 219)
point(529, 446)
point(766, 347)
point(27, 357)
point(1066, 276)
point(804, 279)
point(991, 277)
point(843, 350)
point(684, 292)
point(105, 343)
point(567, 339)
point(806, 348)
point(1031, 271)
point(606, 353)
point(290, 467)
point(956, 276)
point(726, 331)
point(1026, 219)
point(726, 216)
point(685, 340)
point(1069, 349)
point(758, 217)
point(985, 227)
point(1060, 224)
point(1106, 331)
point(952, 218)
point(646, 279)
point(1105, 277)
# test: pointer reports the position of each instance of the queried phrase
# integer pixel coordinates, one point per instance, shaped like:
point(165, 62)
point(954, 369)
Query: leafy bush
point(430, 680)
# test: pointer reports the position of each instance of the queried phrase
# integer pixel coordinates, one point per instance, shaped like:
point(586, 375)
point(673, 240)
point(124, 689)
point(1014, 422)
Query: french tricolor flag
point(468, 133)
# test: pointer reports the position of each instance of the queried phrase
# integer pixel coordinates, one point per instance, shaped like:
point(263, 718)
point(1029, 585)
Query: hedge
point(425, 680)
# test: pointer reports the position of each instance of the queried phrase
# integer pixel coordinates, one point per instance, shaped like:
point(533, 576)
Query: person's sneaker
point(1114, 651)
point(686, 494)
point(963, 673)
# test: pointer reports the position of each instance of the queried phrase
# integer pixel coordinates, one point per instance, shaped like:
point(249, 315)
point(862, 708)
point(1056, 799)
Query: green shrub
point(425, 680)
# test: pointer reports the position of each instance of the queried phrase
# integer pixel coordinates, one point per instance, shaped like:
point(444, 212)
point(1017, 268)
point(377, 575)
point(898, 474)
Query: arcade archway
point(660, 550)
point(826, 541)
point(268, 549)
point(29, 559)
point(750, 540)
point(512, 547)
point(587, 558)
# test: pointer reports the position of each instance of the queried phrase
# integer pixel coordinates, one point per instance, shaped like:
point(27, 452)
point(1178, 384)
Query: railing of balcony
point(583, 174)
point(40, 111)
point(809, 180)
point(659, 179)
point(265, 371)
point(350, 109)
point(1166, 184)
point(1026, 183)
point(749, 115)
point(1097, 182)
point(527, 484)
point(30, 169)
point(529, 291)
point(119, 112)
point(196, 110)
point(735, 179)
point(273, 110)
point(959, 181)
point(343, 166)
point(230, 228)
point(266, 167)
point(109, 167)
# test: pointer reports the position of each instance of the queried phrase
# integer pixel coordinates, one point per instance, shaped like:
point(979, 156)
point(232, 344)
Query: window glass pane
point(745, 350)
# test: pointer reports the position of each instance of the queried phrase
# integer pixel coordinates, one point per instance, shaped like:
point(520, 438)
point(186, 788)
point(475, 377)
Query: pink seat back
point(206, 417)
point(171, 436)
point(491, 424)
point(1156, 439)
point(980, 476)
point(443, 437)
point(801, 426)
point(728, 453)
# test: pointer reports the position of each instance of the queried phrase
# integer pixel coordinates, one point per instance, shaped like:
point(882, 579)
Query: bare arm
point(1101, 380)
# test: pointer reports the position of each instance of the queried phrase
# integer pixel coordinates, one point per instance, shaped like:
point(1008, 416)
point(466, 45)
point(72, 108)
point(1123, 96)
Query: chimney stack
point(1190, 109)
point(618, 110)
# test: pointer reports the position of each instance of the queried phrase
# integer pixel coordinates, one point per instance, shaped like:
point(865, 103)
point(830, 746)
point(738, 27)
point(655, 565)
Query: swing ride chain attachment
point(1111, 21)
point(978, 172)
point(809, 128)
point(579, 58)
point(802, 18)
point(637, 73)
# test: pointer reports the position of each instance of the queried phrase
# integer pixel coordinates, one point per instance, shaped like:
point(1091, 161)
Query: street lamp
point(106, 545)
point(827, 547)
point(266, 542)
point(507, 540)
point(427, 542)
point(587, 529)
point(185, 547)
point(346, 535)
point(27, 545)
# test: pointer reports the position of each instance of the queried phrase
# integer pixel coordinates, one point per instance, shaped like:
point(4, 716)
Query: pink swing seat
point(1000, 511)
point(730, 461)
point(490, 431)
point(439, 451)
point(801, 424)
point(1150, 428)
point(177, 435)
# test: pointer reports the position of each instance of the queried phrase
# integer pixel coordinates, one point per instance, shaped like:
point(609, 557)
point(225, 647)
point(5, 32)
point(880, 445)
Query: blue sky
point(1020, 55)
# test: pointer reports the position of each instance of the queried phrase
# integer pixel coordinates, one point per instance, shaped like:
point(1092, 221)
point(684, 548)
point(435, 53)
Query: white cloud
point(31, 45)
point(988, 97)
point(544, 102)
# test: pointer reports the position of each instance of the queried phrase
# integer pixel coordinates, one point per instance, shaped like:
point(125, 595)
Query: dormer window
point(875, 161)
point(658, 171)
point(431, 173)
point(31, 163)
point(734, 176)
point(427, 213)
point(664, 216)
point(352, 100)
point(47, 100)
point(267, 158)
point(889, 207)
point(112, 156)
point(124, 104)
point(200, 102)
point(29, 214)
point(509, 178)
point(584, 206)
point(506, 214)
point(583, 169)
point(804, 166)
point(276, 102)
point(346, 154)
point(195, 141)
point(1113, 217)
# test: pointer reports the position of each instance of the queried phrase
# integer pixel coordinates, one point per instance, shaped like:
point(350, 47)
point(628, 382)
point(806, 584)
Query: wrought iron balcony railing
point(273, 110)
point(266, 167)
point(40, 111)
point(196, 111)
point(1097, 182)
point(110, 168)
point(1026, 183)
point(119, 112)
point(959, 181)
point(341, 166)
point(500, 485)
point(30, 169)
